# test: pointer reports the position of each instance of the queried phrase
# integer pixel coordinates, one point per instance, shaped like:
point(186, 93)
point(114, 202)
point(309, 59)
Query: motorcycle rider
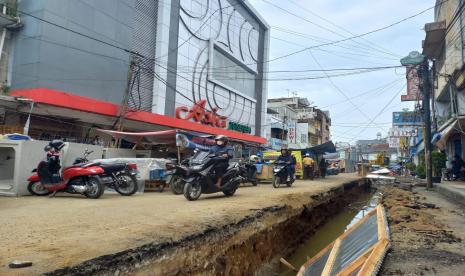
point(221, 149)
point(289, 160)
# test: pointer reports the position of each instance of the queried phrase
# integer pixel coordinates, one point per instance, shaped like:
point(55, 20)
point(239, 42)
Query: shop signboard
point(413, 84)
point(394, 142)
point(275, 143)
point(199, 113)
point(406, 118)
point(239, 127)
point(273, 155)
point(291, 133)
point(403, 132)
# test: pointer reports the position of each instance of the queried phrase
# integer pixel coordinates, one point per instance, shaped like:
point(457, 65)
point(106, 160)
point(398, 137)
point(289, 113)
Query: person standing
point(322, 166)
point(309, 168)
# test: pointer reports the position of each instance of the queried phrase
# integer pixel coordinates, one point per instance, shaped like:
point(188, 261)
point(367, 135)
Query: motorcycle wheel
point(36, 188)
point(192, 191)
point(289, 184)
point(177, 185)
point(229, 192)
point(96, 187)
point(130, 185)
point(276, 181)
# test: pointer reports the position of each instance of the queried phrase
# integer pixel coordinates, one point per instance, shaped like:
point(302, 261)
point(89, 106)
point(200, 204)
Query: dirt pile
point(422, 242)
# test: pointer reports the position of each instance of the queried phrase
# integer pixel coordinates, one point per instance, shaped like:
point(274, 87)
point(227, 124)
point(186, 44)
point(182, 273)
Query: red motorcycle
point(86, 178)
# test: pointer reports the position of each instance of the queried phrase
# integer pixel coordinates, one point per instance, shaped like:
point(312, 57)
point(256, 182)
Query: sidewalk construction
point(64, 231)
point(455, 190)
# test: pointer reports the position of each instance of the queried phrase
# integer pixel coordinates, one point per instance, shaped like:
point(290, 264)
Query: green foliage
point(410, 166)
point(5, 89)
point(438, 161)
point(421, 170)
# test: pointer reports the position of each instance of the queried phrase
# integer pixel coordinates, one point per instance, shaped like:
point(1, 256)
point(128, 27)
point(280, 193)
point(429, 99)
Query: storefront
point(79, 110)
point(183, 56)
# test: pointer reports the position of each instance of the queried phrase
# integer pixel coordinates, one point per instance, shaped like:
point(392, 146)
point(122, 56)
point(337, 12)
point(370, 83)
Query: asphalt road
point(67, 229)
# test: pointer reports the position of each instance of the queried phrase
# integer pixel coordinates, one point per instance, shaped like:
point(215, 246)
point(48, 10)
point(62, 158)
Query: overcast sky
point(351, 119)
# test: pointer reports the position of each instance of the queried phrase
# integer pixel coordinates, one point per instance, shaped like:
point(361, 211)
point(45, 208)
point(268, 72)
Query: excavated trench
point(242, 248)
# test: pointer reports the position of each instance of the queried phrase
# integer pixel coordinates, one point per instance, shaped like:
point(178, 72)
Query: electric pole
point(416, 59)
point(124, 104)
point(427, 118)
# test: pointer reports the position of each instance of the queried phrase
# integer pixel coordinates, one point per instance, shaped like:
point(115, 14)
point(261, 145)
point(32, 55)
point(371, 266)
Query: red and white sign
point(291, 133)
point(413, 85)
point(200, 114)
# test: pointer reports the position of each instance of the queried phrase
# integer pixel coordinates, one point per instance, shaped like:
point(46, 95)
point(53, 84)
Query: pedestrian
point(309, 167)
point(97, 141)
point(322, 166)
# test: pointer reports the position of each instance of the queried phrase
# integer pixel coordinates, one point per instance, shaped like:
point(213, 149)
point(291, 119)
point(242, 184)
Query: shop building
point(445, 44)
point(303, 125)
point(183, 56)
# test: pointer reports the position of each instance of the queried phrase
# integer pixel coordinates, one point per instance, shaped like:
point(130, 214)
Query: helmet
point(253, 158)
point(222, 138)
point(307, 154)
point(57, 144)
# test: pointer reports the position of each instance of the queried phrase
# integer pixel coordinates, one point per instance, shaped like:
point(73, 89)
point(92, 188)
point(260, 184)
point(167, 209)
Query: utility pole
point(124, 104)
point(416, 59)
point(427, 118)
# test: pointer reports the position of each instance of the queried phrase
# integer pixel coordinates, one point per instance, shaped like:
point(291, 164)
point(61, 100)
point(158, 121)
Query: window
point(229, 73)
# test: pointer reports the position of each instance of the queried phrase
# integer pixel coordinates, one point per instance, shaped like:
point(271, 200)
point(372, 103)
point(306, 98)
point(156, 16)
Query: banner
point(394, 142)
point(403, 132)
point(407, 118)
point(291, 133)
point(413, 84)
point(273, 155)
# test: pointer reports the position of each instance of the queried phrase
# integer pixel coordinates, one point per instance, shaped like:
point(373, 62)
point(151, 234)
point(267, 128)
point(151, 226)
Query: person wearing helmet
point(221, 149)
point(309, 167)
point(287, 157)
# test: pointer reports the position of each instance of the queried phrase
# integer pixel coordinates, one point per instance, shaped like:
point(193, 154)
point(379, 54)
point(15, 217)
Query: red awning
point(74, 102)
point(156, 137)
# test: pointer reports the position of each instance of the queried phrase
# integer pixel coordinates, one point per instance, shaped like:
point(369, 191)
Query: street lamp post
point(417, 59)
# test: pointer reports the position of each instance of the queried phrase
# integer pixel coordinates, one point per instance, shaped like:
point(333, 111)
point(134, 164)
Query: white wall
point(119, 153)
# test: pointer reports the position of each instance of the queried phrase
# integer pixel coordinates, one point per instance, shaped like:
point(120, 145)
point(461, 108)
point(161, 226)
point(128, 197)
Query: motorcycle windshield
point(198, 157)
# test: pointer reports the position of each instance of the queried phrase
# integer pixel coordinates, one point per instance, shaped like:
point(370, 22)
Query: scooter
point(84, 178)
point(248, 171)
point(200, 179)
point(175, 176)
point(280, 175)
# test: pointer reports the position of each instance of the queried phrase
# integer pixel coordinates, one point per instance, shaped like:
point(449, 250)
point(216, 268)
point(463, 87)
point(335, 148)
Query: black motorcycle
point(248, 171)
point(280, 175)
point(175, 175)
point(200, 179)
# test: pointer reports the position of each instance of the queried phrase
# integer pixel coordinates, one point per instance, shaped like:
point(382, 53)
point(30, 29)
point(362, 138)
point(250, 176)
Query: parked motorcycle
point(200, 179)
point(280, 175)
point(175, 176)
point(248, 171)
point(87, 178)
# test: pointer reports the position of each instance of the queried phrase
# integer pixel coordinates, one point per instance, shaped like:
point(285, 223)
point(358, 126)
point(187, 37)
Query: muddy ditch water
point(251, 246)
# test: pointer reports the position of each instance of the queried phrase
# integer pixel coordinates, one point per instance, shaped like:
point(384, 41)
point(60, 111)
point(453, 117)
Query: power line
point(356, 36)
point(340, 27)
point(338, 89)
point(316, 24)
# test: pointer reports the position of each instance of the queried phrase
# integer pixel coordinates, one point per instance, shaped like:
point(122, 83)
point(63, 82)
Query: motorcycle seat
point(231, 165)
point(108, 168)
